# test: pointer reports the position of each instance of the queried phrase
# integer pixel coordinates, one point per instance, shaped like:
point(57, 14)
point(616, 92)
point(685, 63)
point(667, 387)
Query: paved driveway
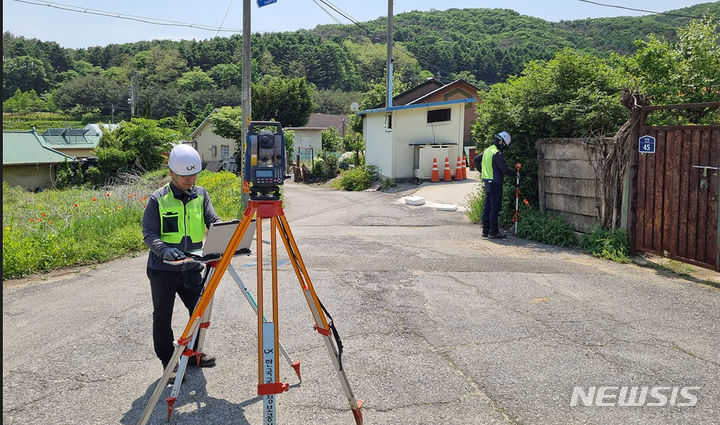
point(439, 326)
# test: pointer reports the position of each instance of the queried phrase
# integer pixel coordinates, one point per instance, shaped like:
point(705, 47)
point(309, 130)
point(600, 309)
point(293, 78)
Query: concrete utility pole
point(389, 78)
point(132, 101)
point(246, 87)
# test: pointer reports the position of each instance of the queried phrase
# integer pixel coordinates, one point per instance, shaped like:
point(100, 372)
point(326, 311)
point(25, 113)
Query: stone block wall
point(566, 182)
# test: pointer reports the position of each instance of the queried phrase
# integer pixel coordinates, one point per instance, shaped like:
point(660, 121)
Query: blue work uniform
point(492, 167)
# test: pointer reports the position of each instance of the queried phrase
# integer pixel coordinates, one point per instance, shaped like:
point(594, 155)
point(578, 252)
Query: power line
point(328, 13)
point(143, 19)
point(395, 46)
point(223, 19)
point(641, 10)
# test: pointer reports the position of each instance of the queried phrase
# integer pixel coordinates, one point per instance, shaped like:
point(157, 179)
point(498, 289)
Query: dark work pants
point(491, 210)
point(163, 286)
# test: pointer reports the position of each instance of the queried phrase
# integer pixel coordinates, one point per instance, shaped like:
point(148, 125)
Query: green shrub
point(475, 205)
point(59, 228)
point(355, 179)
point(607, 243)
point(543, 227)
point(225, 190)
point(326, 166)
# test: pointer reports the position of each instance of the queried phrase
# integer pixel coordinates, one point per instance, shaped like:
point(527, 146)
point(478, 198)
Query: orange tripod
point(269, 383)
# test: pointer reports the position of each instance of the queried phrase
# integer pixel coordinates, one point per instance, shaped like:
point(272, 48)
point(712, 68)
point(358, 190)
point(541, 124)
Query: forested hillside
point(484, 46)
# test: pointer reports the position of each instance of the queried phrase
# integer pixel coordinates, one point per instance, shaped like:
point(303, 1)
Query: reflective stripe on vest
point(178, 220)
point(487, 168)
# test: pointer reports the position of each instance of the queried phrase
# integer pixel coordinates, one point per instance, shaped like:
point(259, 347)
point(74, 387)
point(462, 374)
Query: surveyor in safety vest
point(175, 220)
point(492, 167)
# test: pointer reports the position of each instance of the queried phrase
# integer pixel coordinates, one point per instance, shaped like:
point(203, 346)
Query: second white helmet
point(504, 136)
point(184, 161)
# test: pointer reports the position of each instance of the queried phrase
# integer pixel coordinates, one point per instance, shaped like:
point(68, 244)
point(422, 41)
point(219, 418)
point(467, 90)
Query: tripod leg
point(197, 314)
point(251, 301)
point(321, 325)
point(199, 337)
point(179, 349)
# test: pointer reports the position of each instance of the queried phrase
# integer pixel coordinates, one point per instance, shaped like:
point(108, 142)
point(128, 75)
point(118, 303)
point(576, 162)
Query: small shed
point(310, 135)
point(428, 120)
point(211, 146)
point(27, 162)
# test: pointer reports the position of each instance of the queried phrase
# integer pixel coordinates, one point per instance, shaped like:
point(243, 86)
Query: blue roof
point(417, 105)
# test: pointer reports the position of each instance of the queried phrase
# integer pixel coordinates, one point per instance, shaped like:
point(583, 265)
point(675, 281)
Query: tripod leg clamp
point(272, 388)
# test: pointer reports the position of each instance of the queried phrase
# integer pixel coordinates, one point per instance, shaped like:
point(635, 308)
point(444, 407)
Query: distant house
point(77, 142)
point(429, 121)
point(310, 135)
point(28, 162)
point(99, 128)
point(211, 146)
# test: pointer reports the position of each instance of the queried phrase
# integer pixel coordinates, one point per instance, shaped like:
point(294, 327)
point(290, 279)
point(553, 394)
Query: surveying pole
point(517, 193)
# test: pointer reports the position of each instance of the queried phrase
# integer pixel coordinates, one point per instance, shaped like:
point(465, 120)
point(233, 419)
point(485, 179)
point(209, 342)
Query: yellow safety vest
point(487, 168)
point(178, 220)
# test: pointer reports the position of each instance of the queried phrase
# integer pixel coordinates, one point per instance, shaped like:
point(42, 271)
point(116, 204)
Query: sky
point(46, 20)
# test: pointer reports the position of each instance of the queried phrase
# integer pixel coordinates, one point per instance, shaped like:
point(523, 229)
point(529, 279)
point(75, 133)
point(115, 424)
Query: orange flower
point(31, 220)
point(76, 205)
point(107, 194)
point(94, 199)
point(526, 202)
point(129, 196)
point(44, 214)
point(134, 194)
point(39, 219)
point(119, 207)
point(50, 222)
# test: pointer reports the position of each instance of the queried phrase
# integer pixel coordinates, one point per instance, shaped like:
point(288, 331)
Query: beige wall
point(566, 182)
point(378, 144)
point(81, 153)
point(391, 150)
point(205, 139)
point(311, 138)
point(28, 176)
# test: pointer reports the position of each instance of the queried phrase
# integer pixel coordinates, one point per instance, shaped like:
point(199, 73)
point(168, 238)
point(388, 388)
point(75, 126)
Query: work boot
point(497, 235)
point(205, 361)
point(485, 233)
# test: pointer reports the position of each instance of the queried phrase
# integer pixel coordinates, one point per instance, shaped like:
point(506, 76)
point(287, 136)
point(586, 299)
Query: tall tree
point(288, 101)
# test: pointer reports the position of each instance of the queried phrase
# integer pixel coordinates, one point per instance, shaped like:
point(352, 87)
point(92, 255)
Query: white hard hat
point(184, 161)
point(504, 136)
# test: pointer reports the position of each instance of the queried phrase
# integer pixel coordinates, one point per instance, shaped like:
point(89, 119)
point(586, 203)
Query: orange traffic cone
point(447, 177)
point(464, 167)
point(458, 170)
point(435, 172)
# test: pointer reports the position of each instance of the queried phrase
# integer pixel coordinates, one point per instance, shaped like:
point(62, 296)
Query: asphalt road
point(439, 326)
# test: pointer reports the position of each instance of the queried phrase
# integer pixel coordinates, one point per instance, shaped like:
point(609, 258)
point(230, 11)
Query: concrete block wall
point(566, 182)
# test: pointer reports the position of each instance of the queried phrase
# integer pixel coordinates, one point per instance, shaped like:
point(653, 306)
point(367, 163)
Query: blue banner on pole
point(646, 144)
point(262, 3)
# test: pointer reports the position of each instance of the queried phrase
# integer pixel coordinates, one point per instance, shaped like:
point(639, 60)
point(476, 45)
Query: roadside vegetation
point(60, 228)
point(550, 229)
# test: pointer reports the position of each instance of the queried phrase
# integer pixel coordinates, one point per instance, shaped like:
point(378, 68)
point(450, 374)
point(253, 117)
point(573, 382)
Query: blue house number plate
point(646, 144)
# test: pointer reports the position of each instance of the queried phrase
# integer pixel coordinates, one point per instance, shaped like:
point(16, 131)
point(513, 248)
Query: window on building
point(388, 121)
point(224, 151)
point(438, 115)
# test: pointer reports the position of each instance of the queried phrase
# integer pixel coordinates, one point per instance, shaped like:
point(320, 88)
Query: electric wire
point(328, 13)
point(143, 19)
point(428, 63)
point(640, 10)
point(223, 19)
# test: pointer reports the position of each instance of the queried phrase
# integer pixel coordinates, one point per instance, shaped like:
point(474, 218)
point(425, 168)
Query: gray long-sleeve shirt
point(151, 226)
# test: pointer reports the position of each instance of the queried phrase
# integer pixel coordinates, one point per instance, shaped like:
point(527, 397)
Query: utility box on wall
point(424, 160)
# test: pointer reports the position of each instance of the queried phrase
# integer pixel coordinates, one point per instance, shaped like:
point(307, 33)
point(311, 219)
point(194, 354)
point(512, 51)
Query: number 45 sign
point(646, 144)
